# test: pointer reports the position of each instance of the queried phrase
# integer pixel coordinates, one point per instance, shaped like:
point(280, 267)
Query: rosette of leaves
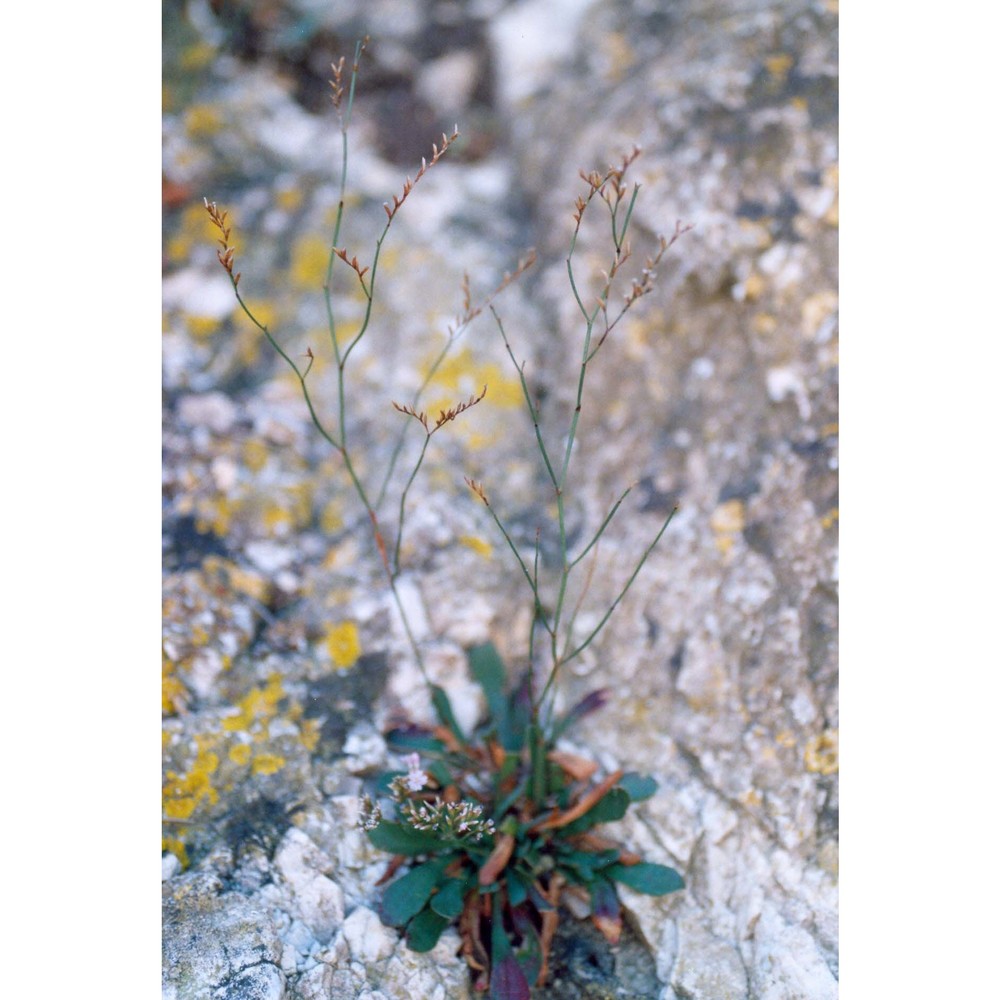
point(503, 885)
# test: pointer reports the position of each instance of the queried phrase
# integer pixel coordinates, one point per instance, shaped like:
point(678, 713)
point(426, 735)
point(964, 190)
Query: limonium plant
point(491, 829)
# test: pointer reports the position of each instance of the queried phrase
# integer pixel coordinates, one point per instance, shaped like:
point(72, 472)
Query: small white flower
point(415, 779)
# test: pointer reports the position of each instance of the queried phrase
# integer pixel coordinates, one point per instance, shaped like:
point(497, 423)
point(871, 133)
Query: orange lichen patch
point(256, 708)
point(195, 229)
point(215, 514)
point(243, 581)
point(267, 763)
point(477, 544)
point(754, 287)
point(310, 259)
point(461, 375)
point(309, 733)
point(264, 312)
point(177, 849)
point(765, 324)
point(173, 692)
point(343, 643)
point(197, 56)
point(830, 518)
point(202, 120)
point(288, 199)
point(331, 518)
point(255, 454)
point(727, 521)
point(822, 753)
point(202, 327)
point(184, 793)
point(778, 66)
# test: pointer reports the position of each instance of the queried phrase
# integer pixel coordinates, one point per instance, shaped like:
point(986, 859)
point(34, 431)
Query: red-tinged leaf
point(605, 911)
point(507, 979)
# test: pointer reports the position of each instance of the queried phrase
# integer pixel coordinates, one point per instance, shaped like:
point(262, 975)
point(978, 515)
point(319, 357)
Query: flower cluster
point(370, 814)
point(448, 819)
point(454, 820)
point(415, 779)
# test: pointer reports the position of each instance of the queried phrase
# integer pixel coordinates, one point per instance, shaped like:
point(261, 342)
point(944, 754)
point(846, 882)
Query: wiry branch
point(408, 185)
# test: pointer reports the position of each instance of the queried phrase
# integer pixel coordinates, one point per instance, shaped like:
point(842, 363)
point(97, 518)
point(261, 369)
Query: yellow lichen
point(727, 522)
point(263, 310)
point(478, 545)
point(331, 518)
point(310, 257)
point(255, 454)
point(197, 56)
point(176, 847)
point(202, 327)
point(764, 323)
point(267, 763)
point(240, 753)
point(778, 66)
point(173, 692)
point(309, 733)
point(202, 120)
point(822, 753)
point(754, 287)
point(288, 199)
point(343, 643)
point(830, 518)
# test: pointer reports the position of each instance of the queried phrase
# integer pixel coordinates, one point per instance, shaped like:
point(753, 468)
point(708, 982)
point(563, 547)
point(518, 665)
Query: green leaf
point(638, 786)
point(443, 708)
point(517, 888)
point(652, 879)
point(508, 800)
point(519, 716)
point(399, 839)
point(424, 929)
point(529, 952)
point(586, 863)
point(408, 895)
point(608, 809)
point(487, 668)
point(604, 899)
point(450, 900)
point(536, 747)
point(413, 739)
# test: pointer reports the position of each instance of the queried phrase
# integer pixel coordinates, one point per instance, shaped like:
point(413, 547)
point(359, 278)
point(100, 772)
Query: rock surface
point(284, 656)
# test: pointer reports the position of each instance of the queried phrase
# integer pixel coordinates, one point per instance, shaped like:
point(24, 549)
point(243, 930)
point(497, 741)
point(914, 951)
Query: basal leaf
point(424, 929)
point(638, 786)
point(652, 879)
point(442, 706)
point(407, 896)
point(607, 809)
point(407, 740)
point(398, 839)
point(517, 888)
point(605, 910)
point(488, 670)
point(507, 979)
point(450, 900)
